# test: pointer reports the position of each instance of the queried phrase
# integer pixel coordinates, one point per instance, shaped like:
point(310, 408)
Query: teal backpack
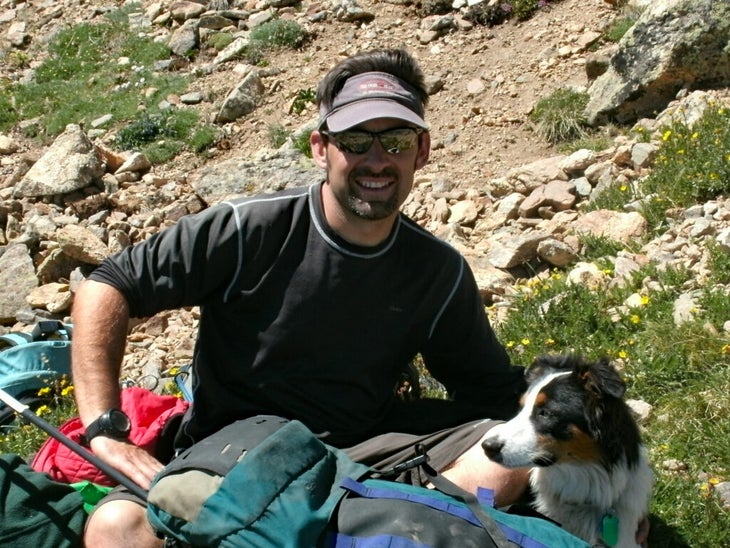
point(266, 482)
point(31, 361)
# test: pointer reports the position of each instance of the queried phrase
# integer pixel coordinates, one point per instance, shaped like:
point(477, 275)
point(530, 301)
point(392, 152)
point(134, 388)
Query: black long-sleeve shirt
point(297, 322)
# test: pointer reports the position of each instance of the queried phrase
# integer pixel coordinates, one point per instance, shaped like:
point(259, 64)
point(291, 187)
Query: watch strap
point(103, 426)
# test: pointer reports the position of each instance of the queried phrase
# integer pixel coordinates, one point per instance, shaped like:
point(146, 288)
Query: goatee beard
point(376, 209)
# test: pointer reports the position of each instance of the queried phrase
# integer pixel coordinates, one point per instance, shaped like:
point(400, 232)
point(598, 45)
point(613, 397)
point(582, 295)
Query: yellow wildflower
point(667, 135)
point(622, 354)
point(525, 342)
point(67, 391)
point(510, 344)
point(44, 391)
point(635, 319)
point(43, 410)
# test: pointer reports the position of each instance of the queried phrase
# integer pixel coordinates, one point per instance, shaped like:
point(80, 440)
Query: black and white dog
point(590, 471)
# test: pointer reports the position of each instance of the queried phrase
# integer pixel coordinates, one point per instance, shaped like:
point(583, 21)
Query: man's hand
point(135, 463)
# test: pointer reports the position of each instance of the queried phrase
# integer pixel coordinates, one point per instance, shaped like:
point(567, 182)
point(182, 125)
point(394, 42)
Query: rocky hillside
point(494, 188)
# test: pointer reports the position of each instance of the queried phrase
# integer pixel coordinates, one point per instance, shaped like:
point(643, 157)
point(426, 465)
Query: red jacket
point(148, 412)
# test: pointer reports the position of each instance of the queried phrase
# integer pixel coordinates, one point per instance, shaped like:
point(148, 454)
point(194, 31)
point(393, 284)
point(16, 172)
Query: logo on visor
point(377, 85)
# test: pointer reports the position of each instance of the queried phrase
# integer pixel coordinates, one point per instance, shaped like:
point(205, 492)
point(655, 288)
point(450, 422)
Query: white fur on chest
point(579, 496)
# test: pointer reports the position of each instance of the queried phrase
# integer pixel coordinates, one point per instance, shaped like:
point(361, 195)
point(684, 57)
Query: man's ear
point(424, 149)
point(318, 144)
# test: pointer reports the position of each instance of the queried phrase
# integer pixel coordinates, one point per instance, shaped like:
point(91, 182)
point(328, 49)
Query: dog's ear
point(541, 366)
point(551, 363)
point(601, 379)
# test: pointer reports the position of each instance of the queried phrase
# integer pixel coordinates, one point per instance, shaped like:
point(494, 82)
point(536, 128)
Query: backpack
point(35, 511)
point(31, 361)
point(269, 482)
point(377, 512)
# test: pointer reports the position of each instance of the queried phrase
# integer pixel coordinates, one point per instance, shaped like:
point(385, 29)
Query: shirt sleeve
point(184, 265)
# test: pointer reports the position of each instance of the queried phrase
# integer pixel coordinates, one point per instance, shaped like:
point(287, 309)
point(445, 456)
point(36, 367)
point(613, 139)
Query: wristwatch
point(114, 423)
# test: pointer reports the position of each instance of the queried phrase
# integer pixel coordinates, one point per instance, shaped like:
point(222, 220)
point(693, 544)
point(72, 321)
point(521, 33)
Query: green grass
point(82, 79)
point(694, 162)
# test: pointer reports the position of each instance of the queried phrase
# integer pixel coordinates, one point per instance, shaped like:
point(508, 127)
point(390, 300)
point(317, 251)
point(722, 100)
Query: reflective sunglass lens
point(355, 141)
point(398, 140)
point(393, 141)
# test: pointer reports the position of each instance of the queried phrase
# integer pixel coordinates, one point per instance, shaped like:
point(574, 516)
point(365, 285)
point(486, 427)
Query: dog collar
point(609, 528)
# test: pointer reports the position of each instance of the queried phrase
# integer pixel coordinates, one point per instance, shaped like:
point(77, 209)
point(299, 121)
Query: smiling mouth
point(374, 185)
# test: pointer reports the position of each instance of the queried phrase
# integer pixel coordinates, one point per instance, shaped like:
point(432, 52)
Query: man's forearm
point(100, 318)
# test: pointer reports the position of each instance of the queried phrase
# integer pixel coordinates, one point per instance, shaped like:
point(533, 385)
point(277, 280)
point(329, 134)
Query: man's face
point(371, 185)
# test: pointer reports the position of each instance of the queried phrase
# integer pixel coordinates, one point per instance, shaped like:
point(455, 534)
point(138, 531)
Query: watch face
point(119, 421)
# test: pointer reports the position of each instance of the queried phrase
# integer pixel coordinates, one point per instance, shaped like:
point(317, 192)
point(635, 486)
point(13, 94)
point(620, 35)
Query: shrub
point(278, 135)
point(273, 35)
point(163, 135)
point(301, 143)
point(303, 98)
point(203, 138)
point(220, 40)
point(559, 117)
point(618, 28)
point(146, 129)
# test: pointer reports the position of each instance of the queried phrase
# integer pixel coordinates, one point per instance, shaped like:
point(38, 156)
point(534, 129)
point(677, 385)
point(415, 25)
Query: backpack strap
point(42, 331)
point(14, 339)
point(46, 329)
point(450, 488)
point(447, 487)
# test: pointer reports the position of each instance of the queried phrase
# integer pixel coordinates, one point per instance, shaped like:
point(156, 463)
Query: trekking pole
point(28, 414)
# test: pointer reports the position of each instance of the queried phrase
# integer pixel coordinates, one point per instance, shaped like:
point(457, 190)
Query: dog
point(590, 472)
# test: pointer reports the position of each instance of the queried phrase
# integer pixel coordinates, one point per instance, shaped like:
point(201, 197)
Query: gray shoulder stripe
point(239, 260)
point(265, 198)
point(237, 215)
point(457, 281)
point(448, 298)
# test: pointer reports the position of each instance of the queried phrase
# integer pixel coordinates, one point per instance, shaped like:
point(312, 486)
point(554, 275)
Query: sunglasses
point(359, 141)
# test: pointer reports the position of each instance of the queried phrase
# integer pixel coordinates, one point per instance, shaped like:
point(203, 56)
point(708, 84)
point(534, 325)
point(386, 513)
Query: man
point(313, 300)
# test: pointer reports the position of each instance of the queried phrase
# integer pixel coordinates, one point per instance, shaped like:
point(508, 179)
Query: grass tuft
point(559, 117)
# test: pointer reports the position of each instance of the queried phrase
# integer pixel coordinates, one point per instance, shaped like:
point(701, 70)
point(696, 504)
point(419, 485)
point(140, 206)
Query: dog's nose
point(493, 448)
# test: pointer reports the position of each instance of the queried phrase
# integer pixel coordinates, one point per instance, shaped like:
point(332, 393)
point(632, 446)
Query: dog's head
point(573, 411)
